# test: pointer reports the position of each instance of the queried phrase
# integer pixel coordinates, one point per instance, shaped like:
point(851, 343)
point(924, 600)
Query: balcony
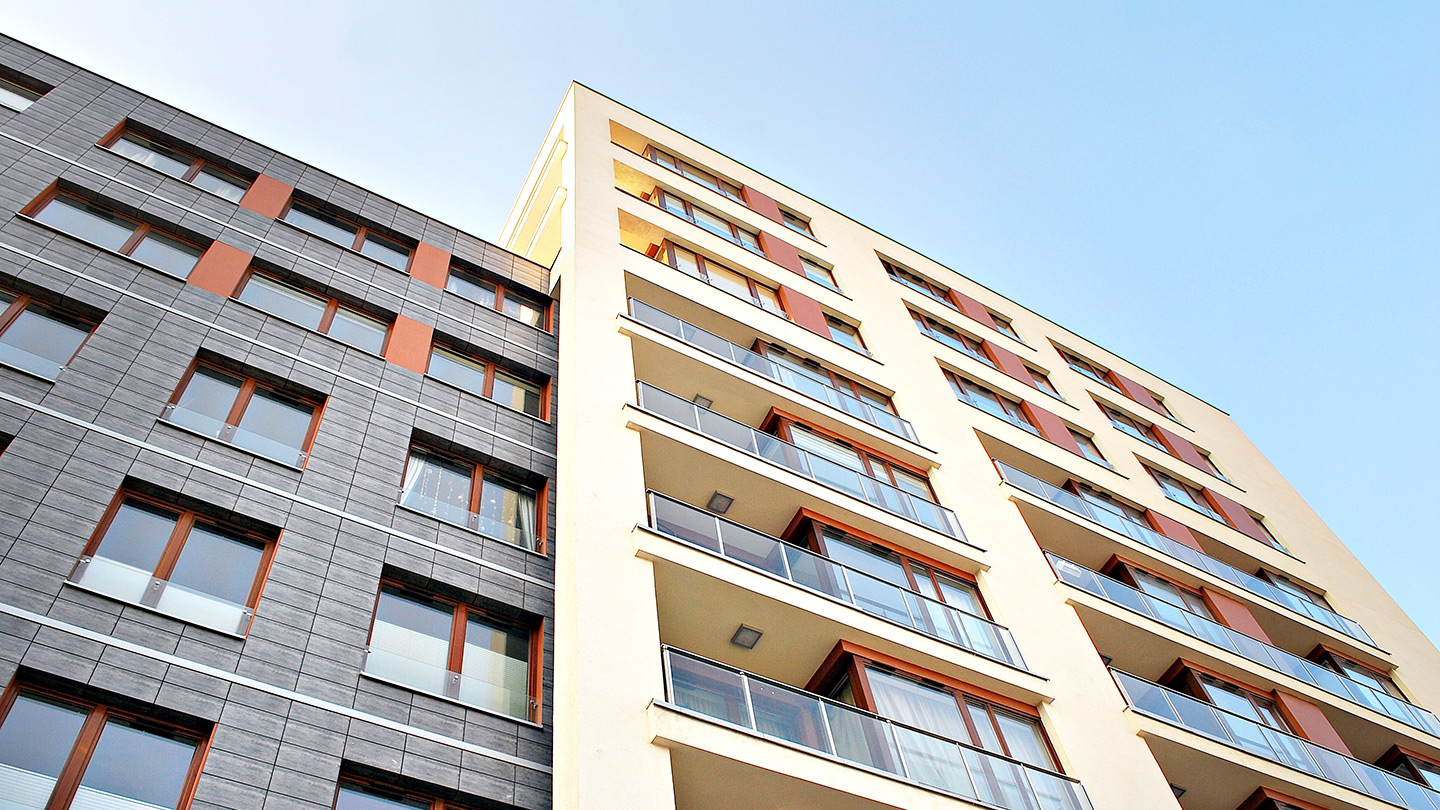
point(1118, 593)
point(1174, 708)
point(859, 739)
point(814, 386)
point(1096, 512)
point(805, 569)
point(779, 452)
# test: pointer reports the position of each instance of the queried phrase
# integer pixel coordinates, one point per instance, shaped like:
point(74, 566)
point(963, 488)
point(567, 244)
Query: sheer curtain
point(931, 761)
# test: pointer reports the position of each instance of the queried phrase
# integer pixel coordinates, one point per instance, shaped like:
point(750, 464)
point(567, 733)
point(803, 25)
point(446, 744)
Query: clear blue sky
point(1243, 198)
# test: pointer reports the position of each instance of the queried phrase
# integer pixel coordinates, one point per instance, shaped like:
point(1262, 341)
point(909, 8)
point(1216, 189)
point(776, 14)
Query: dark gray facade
point(282, 709)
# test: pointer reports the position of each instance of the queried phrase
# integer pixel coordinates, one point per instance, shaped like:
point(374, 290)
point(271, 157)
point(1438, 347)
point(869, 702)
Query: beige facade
point(976, 552)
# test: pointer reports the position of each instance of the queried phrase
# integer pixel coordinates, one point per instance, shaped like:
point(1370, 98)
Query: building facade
point(277, 480)
point(839, 527)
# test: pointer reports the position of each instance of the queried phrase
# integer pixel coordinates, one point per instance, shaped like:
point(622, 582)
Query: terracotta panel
point(430, 265)
point(973, 309)
point(409, 345)
point(761, 204)
point(267, 196)
point(1137, 392)
point(1051, 427)
point(1233, 614)
point(804, 311)
point(1182, 449)
point(1236, 515)
point(1008, 362)
point(220, 269)
point(1306, 719)
point(1173, 529)
point(781, 252)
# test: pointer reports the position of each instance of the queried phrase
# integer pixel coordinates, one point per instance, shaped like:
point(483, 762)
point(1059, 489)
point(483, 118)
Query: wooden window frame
point(491, 367)
point(138, 235)
point(362, 231)
point(658, 198)
point(1117, 417)
point(332, 306)
point(668, 248)
point(23, 301)
point(838, 381)
point(779, 423)
point(242, 401)
point(456, 652)
point(197, 163)
point(721, 186)
point(1398, 755)
point(99, 714)
point(1186, 676)
point(477, 480)
point(501, 291)
point(180, 535)
point(1196, 493)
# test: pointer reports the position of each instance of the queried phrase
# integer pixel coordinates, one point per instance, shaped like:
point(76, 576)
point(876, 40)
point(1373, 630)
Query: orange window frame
point(1014, 406)
point(332, 305)
point(837, 381)
point(477, 480)
point(142, 228)
point(660, 195)
point(24, 300)
point(242, 401)
point(197, 163)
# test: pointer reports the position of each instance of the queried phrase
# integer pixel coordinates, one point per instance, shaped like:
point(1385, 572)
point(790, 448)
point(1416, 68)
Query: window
point(191, 169)
point(1412, 767)
point(312, 311)
point(718, 275)
point(847, 335)
point(921, 285)
point(1164, 590)
point(138, 240)
point(233, 408)
point(449, 648)
point(1042, 383)
point(991, 402)
point(1239, 701)
point(1003, 326)
point(1184, 494)
point(16, 96)
point(1296, 590)
point(361, 796)
point(176, 561)
point(485, 379)
point(804, 374)
point(466, 494)
point(951, 337)
point(507, 300)
point(709, 220)
point(1134, 427)
point(56, 752)
point(1360, 673)
point(37, 338)
point(348, 234)
point(796, 223)
point(1091, 370)
point(819, 274)
point(835, 462)
point(1088, 448)
point(699, 175)
point(1106, 501)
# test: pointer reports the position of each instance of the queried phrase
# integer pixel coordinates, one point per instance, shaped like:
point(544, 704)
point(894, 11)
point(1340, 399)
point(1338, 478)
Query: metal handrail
point(835, 580)
point(1115, 521)
point(1206, 719)
point(863, 739)
point(809, 385)
point(1266, 655)
point(892, 499)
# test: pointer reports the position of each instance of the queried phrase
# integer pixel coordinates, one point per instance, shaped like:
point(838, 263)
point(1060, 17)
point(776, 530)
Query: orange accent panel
point(220, 269)
point(409, 345)
point(973, 309)
point(782, 253)
point(1306, 719)
point(267, 196)
point(1008, 362)
point(761, 204)
point(805, 311)
point(1137, 392)
point(1236, 515)
point(1233, 614)
point(1173, 529)
point(430, 265)
point(1051, 427)
point(1182, 449)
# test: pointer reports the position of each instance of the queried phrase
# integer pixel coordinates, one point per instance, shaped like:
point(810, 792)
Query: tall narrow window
point(348, 234)
point(37, 338)
point(466, 494)
point(313, 311)
point(238, 409)
point(140, 241)
point(179, 164)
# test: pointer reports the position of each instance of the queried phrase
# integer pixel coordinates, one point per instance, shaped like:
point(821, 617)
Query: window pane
point(221, 183)
point(768, 299)
point(166, 253)
point(495, 672)
point(41, 340)
point(131, 763)
point(34, 744)
point(1024, 740)
point(137, 536)
point(816, 273)
point(728, 280)
point(358, 330)
point(1003, 327)
point(410, 642)
point(685, 261)
point(959, 593)
point(1088, 448)
point(712, 223)
point(458, 370)
point(206, 402)
point(283, 301)
point(16, 97)
point(673, 204)
point(902, 699)
point(910, 482)
point(1043, 383)
point(845, 335)
point(825, 448)
point(524, 309)
point(354, 798)
point(87, 222)
point(274, 426)
point(384, 250)
point(516, 393)
point(478, 290)
point(321, 224)
point(219, 564)
point(144, 150)
point(507, 511)
point(438, 487)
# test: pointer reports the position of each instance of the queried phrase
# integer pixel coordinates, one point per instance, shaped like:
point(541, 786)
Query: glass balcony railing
point(775, 450)
point(697, 527)
point(1242, 645)
point(1099, 512)
point(858, 738)
point(1169, 706)
point(810, 385)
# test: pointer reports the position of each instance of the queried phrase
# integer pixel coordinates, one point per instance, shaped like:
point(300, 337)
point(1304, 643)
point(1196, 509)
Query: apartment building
point(277, 461)
point(839, 527)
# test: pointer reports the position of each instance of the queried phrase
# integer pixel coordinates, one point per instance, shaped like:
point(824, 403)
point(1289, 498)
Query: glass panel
point(321, 224)
point(166, 253)
point(458, 370)
point(753, 548)
point(16, 97)
point(495, 672)
point(685, 523)
point(386, 251)
point(134, 769)
point(914, 704)
point(526, 309)
point(410, 642)
point(275, 426)
point(143, 150)
point(712, 223)
point(516, 393)
point(359, 330)
point(85, 221)
point(438, 487)
point(863, 739)
point(35, 741)
point(685, 261)
point(709, 690)
point(789, 715)
point(838, 453)
point(136, 537)
point(816, 273)
point(768, 299)
point(355, 798)
point(1023, 738)
point(206, 401)
point(218, 564)
point(284, 301)
point(221, 183)
point(41, 341)
point(478, 290)
point(507, 511)
point(935, 762)
point(728, 280)
point(815, 572)
point(846, 335)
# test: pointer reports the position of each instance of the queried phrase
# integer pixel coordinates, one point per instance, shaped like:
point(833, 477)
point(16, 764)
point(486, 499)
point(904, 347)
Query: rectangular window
point(929, 289)
point(990, 402)
point(348, 234)
point(1243, 702)
point(847, 335)
point(804, 374)
point(1091, 370)
point(519, 305)
point(796, 223)
point(464, 493)
point(453, 649)
point(176, 561)
point(485, 379)
point(1163, 589)
point(1134, 427)
point(129, 237)
point(833, 462)
point(705, 178)
point(179, 164)
point(709, 220)
point(718, 275)
point(65, 754)
point(37, 338)
point(1088, 448)
point(314, 311)
point(234, 408)
point(950, 337)
point(819, 273)
point(1184, 494)
point(1003, 326)
point(1042, 382)
point(355, 795)
point(16, 96)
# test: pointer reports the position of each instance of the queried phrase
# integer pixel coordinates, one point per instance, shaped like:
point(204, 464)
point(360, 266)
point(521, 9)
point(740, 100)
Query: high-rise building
point(276, 476)
point(838, 527)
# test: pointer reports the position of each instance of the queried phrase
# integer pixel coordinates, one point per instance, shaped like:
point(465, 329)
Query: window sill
point(497, 403)
point(103, 249)
point(191, 431)
point(177, 617)
point(412, 510)
point(493, 713)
